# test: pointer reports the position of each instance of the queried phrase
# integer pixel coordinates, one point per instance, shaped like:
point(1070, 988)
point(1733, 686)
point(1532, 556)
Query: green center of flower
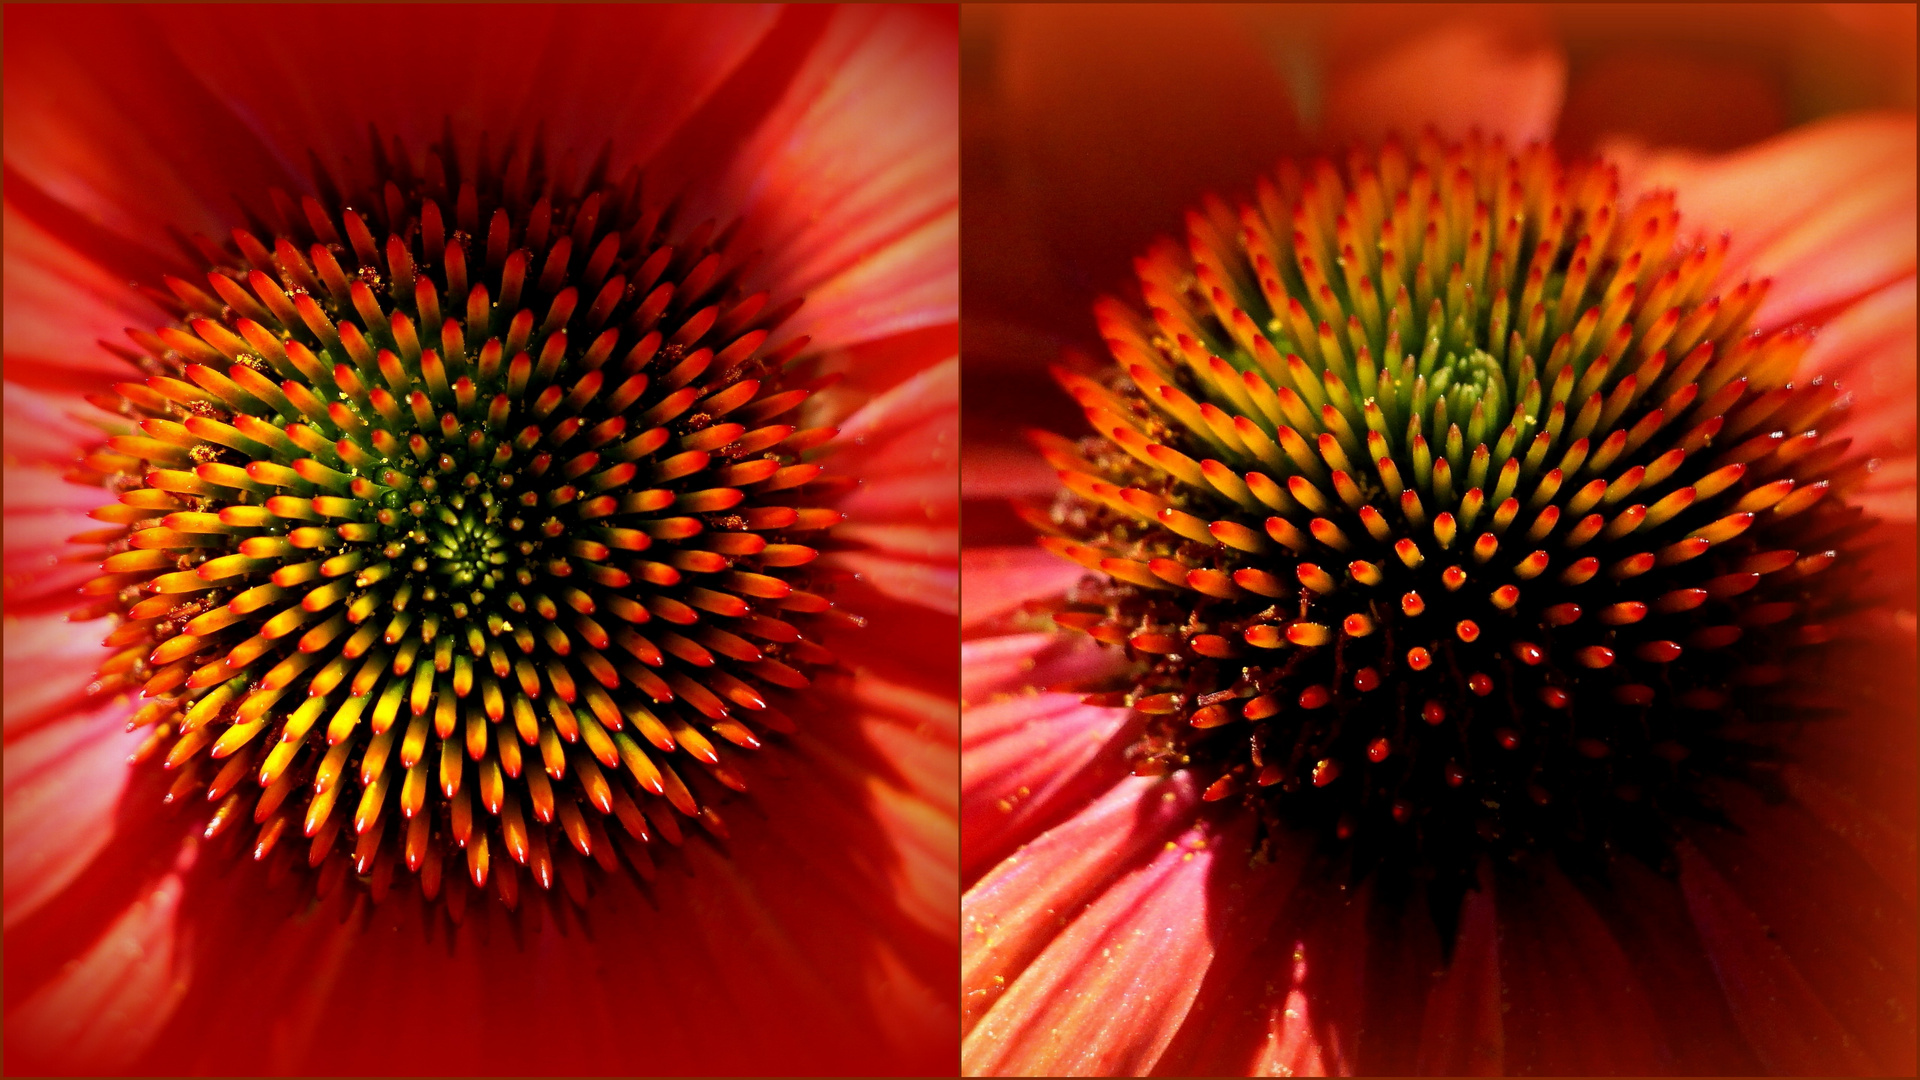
point(470, 550)
point(461, 527)
point(1446, 509)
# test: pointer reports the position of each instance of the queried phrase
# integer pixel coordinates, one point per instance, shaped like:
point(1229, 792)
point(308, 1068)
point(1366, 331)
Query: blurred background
point(1086, 130)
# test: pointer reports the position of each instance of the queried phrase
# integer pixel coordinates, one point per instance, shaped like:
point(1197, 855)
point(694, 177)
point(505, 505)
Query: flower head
point(447, 510)
point(346, 512)
point(1435, 604)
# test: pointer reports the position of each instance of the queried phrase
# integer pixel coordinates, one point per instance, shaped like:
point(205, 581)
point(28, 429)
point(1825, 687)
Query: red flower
point(1115, 923)
point(817, 936)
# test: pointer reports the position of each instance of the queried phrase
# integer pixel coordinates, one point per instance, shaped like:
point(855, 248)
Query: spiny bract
point(1444, 506)
point(465, 489)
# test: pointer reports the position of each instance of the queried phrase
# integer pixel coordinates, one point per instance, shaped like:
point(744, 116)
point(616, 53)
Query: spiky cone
point(136, 943)
point(431, 549)
point(1443, 506)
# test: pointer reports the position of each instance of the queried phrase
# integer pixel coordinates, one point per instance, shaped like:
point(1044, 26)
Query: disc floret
point(1447, 505)
point(471, 523)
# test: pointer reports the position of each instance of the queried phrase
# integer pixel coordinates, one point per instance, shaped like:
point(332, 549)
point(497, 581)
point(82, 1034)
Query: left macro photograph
point(481, 529)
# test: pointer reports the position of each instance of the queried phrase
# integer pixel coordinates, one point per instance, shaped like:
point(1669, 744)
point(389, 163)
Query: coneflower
point(1447, 506)
point(465, 517)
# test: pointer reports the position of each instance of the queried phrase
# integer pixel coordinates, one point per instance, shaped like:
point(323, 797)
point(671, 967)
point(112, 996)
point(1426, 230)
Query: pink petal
point(43, 568)
point(50, 663)
point(1029, 763)
point(1876, 837)
point(45, 533)
point(995, 667)
point(998, 475)
point(929, 396)
point(906, 510)
point(62, 301)
point(43, 572)
point(1455, 78)
point(902, 641)
point(850, 185)
point(924, 491)
point(112, 138)
point(934, 587)
point(1826, 210)
point(908, 541)
point(999, 665)
point(63, 782)
point(1012, 913)
point(45, 491)
point(997, 580)
point(860, 372)
point(1038, 718)
point(1868, 349)
point(902, 446)
point(41, 427)
point(1669, 96)
point(1106, 992)
point(1857, 769)
point(99, 937)
point(1005, 472)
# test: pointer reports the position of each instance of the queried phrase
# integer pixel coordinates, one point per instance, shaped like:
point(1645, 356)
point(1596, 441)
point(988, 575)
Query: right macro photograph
point(1438, 521)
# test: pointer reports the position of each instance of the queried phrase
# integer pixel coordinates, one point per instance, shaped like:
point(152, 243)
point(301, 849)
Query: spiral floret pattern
point(463, 516)
point(1445, 505)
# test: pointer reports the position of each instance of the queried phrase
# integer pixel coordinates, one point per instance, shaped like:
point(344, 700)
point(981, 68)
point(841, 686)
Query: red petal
point(1463, 1033)
point(1287, 991)
point(1577, 1004)
point(1790, 1028)
point(1846, 937)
